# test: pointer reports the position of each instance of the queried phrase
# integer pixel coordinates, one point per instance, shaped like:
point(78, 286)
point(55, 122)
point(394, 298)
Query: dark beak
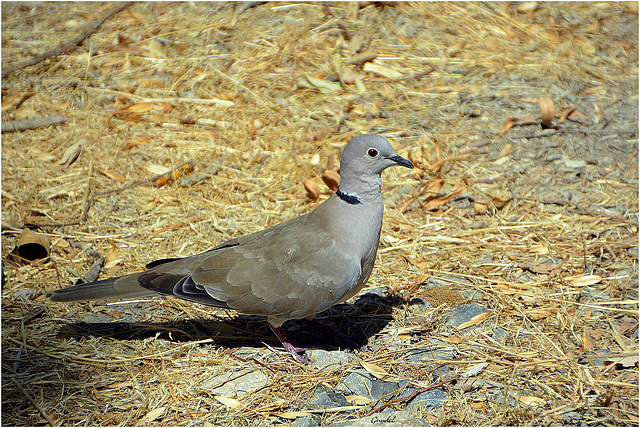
point(399, 160)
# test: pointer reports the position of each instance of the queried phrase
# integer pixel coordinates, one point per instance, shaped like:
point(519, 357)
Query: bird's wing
point(293, 270)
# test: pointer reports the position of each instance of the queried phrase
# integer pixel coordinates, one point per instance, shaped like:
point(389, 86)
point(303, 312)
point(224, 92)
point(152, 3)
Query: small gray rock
point(322, 359)
point(233, 384)
point(248, 352)
point(573, 417)
point(419, 304)
point(390, 390)
point(464, 313)
point(307, 421)
point(437, 350)
point(356, 383)
point(599, 361)
point(500, 333)
point(595, 294)
point(376, 291)
point(326, 399)
point(428, 401)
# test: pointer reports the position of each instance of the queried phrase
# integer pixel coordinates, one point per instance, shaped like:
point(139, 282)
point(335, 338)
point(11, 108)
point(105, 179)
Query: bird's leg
point(333, 334)
point(293, 350)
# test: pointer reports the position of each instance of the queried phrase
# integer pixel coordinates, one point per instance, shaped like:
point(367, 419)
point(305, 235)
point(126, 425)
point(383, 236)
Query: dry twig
point(91, 28)
point(22, 125)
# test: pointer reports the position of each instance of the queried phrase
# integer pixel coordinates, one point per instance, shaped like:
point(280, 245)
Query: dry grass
point(220, 88)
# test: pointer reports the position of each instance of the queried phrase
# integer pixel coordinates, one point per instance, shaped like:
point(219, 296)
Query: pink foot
point(293, 350)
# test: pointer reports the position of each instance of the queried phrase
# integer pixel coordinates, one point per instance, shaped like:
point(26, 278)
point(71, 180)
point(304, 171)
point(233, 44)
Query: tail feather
point(106, 289)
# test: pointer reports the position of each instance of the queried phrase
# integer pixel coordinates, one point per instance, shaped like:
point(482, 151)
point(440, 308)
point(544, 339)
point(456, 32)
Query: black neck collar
point(350, 199)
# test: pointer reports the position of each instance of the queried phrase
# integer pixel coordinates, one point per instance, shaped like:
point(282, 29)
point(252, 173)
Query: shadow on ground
point(360, 321)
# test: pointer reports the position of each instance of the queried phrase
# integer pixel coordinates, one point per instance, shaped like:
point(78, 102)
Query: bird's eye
point(372, 153)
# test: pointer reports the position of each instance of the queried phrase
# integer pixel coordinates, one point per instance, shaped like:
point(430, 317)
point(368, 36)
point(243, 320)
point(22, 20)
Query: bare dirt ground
point(535, 224)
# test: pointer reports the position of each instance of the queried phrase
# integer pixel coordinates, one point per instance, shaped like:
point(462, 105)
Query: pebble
point(464, 313)
point(356, 383)
point(428, 401)
point(328, 399)
point(232, 384)
point(321, 359)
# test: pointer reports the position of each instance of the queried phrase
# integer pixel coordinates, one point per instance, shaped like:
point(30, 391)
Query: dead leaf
point(434, 185)
point(586, 340)
point(253, 125)
point(450, 339)
point(111, 260)
point(375, 370)
point(456, 49)
point(331, 179)
point(578, 115)
point(322, 85)
point(71, 155)
point(41, 156)
point(472, 371)
point(473, 321)
point(349, 76)
point(540, 249)
point(419, 263)
point(312, 188)
point(381, 70)
point(543, 268)
point(356, 43)
point(330, 163)
point(112, 175)
point(584, 280)
point(135, 108)
point(623, 342)
point(357, 400)
point(527, 6)
point(479, 207)
point(293, 415)
point(10, 99)
point(564, 114)
point(529, 400)
point(228, 96)
point(127, 145)
point(547, 112)
point(505, 150)
point(363, 57)
point(627, 362)
point(434, 204)
point(156, 169)
point(437, 202)
point(229, 402)
point(152, 416)
point(500, 203)
point(62, 243)
point(436, 145)
point(173, 175)
point(537, 314)
point(595, 90)
point(507, 125)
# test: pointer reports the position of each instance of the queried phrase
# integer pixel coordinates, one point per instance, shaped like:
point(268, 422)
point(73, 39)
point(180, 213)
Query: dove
point(293, 270)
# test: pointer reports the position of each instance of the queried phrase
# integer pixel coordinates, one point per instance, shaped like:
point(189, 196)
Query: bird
point(293, 270)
